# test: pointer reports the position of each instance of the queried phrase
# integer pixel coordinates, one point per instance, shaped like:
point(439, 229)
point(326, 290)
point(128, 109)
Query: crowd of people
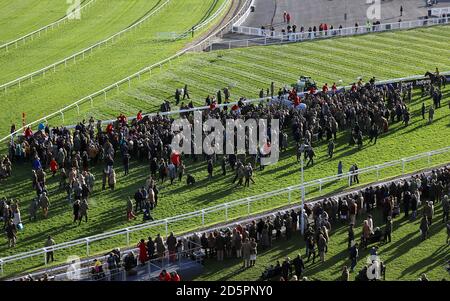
point(414, 197)
point(70, 155)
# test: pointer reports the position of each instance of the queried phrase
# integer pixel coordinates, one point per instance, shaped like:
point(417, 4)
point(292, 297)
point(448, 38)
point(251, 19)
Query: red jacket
point(139, 116)
point(53, 165)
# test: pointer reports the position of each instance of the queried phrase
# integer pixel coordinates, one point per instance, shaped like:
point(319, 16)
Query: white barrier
point(401, 163)
point(244, 16)
point(280, 37)
point(45, 28)
point(81, 53)
point(256, 100)
point(127, 80)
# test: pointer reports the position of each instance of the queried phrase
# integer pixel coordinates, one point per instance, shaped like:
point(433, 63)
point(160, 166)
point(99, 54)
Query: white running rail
point(226, 207)
point(81, 53)
point(116, 85)
point(45, 28)
point(382, 82)
point(336, 32)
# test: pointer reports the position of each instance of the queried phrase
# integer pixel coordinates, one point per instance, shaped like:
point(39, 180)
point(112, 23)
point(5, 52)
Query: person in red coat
point(143, 254)
point(164, 276)
point(325, 88)
point(334, 88)
point(139, 115)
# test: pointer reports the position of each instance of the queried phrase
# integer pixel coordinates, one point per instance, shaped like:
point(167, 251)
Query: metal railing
point(82, 53)
point(225, 208)
point(45, 28)
point(127, 80)
point(269, 37)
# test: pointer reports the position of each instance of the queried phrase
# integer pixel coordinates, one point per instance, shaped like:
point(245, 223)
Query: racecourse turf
point(133, 51)
point(19, 18)
point(246, 70)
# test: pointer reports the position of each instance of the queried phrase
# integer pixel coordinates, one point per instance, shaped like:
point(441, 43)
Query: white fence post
point(289, 196)
point(45, 256)
point(203, 217)
point(378, 172)
point(248, 206)
point(87, 246)
point(320, 186)
point(128, 237)
point(429, 158)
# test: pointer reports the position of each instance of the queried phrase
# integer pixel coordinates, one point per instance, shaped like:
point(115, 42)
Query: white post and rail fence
point(242, 207)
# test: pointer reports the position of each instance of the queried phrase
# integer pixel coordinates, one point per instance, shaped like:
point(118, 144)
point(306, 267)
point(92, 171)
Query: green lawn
point(207, 72)
point(135, 50)
point(406, 257)
point(101, 20)
point(17, 18)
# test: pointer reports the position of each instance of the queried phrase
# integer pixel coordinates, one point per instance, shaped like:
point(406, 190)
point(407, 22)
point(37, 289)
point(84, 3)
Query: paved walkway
point(336, 12)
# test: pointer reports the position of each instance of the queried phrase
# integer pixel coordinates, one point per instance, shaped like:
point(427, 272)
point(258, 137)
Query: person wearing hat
point(388, 230)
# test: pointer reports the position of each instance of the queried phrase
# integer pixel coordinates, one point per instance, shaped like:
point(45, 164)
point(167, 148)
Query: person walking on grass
point(11, 233)
point(354, 254)
point(388, 230)
point(48, 245)
point(424, 227)
point(83, 211)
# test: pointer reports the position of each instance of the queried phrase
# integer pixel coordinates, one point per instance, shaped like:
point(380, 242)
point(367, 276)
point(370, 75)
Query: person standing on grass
point(112, 179)
point(130, 213)
point(126, 162)
point(354, 254)
point(210, 169)
point(160, 248)
point(48, 245)
point(185, 90)
point(76, 211)
point(424, 227)
point(45, 203)
point(172, 172)
point(299, 266)
point(83, 211)
point(388, 230)
point(246, 249)
point(331, 147)
point(345, 276)
point(321, 246)
point(448, 232)
point(430, 114)
point(11, 233)
point(181, 170)
point(253, 251)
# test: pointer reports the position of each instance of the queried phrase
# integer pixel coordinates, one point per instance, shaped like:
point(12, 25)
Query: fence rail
point(127, 80)
point(82, 53)
point(45, 28)
point(248, 202)
point(268, 37)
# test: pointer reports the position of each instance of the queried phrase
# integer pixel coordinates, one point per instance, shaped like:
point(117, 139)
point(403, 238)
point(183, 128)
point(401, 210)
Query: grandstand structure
point(199, 54)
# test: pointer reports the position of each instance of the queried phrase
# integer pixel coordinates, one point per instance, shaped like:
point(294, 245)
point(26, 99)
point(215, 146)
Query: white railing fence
point(245, 15)
point(224, 212)
point(256, 100)
point(269, 37)
point(79, 55)
point(127, 80)
point(50, 26)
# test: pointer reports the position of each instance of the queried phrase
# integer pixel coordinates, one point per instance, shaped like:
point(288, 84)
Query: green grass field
point(135, 50)
point(18, 18)
point(406, 257)
point(247, 70)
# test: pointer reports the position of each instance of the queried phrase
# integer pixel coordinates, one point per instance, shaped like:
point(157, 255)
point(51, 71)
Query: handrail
point(126, 79)
point(46, 27)
point(64, 61)
point(243, 201)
